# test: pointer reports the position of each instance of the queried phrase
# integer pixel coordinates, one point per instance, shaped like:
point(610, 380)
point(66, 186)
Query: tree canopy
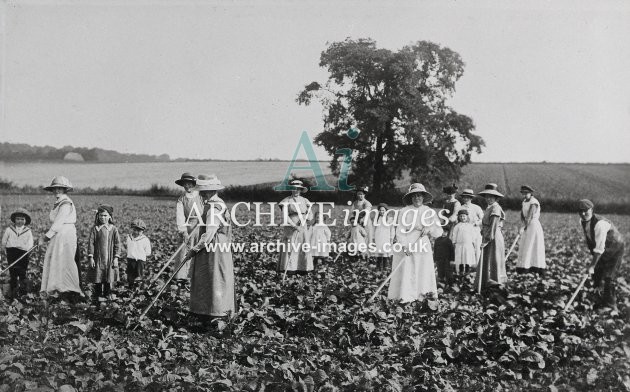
point(398, 102)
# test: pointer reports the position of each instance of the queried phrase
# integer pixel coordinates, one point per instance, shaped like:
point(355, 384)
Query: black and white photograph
point(314, 196)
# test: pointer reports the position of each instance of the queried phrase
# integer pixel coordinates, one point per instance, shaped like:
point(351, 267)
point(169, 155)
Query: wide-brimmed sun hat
point(186, 177)
point(59, 182)
point(491, 189)
point(208, 183)
point(467, 193)
point(297, 185)
point(417, 188)
point(138, 224)
point(21, 212)
point(527, 189)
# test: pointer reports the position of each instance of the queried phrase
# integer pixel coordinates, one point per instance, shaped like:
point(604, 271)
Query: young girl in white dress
point(357, 238)
point(467, 240)
point(320, 240)
point(381, 234)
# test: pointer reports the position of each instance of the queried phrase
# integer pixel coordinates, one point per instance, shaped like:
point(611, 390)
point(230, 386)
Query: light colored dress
point(361, 205)
point(475, 214)
point(381, 233)
point(416, 277)
point(494, 252)
point(185, 205)
point(212, 281)
point(531, 247)
point(358, 237)
point(60, 270)
point(293, 257)
point(320, 237)
point(467, 241)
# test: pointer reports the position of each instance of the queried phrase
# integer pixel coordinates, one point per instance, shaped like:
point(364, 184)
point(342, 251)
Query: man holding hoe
point(607, 247)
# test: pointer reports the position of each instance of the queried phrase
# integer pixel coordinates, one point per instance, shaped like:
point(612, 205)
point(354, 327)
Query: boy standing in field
point(17, 240)
point(606, 245)
point(138, 249)
point(444, 255)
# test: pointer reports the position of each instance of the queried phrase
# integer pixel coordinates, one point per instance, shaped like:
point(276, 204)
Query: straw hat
point(491, 189)
point(298, 184)
point(21, 212)
point(467, 193)
point(186, 177)
point(59, 182)
point(208, 183)
point(138, 224)
point(417, 188)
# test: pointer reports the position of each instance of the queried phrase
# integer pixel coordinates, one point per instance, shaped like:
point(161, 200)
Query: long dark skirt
point(493, 265)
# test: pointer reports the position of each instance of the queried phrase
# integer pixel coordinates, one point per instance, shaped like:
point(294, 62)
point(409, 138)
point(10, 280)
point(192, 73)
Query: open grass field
point(314, 333)
point(561, 181)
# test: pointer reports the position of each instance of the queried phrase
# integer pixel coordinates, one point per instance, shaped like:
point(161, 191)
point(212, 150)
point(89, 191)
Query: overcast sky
point(544, 80)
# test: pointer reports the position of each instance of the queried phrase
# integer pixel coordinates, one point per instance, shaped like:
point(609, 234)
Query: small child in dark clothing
point(444, 255)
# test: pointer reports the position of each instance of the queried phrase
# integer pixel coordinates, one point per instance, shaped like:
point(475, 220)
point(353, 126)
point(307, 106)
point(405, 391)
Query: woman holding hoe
point(491, 269)
point(212, 280)
point(413, 273)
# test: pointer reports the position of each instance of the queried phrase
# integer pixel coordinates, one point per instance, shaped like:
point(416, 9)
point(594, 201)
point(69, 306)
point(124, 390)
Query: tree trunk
point(379, 167)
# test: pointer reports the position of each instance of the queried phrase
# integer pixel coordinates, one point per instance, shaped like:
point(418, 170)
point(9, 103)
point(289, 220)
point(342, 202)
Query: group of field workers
point(461, 239)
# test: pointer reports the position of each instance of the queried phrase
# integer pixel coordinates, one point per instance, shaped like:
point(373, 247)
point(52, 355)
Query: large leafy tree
point(398, 102)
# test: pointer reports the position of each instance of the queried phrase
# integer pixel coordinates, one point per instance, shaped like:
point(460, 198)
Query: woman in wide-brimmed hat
point(60, 272)
point(416, 223)
point(212, 267)
point(295, 214)
point(531, 247)
point(493, 245)
point(381, 232)
point(188, 206)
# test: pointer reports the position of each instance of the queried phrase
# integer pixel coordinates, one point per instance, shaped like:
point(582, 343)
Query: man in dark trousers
point(607, 247)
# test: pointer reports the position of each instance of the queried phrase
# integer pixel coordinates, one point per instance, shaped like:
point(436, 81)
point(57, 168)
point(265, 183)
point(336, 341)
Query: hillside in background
point(24, 152)
point(558, 181)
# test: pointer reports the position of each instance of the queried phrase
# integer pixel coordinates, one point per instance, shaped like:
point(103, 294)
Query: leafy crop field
point(314, 333)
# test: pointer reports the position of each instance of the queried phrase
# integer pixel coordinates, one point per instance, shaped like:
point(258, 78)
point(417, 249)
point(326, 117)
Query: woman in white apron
point(60, 272)
point(531, 247)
